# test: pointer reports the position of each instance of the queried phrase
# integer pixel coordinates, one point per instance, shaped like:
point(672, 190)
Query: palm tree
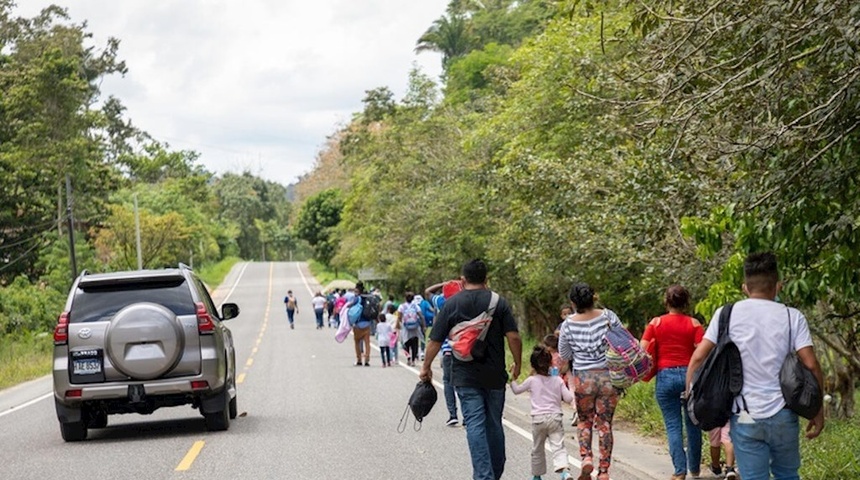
point(449, 35)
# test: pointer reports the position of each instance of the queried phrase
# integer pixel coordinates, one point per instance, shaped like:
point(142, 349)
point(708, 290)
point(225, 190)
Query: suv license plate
point(86, 366)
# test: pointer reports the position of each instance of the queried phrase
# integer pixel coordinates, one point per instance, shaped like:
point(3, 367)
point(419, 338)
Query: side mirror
point(229, 310)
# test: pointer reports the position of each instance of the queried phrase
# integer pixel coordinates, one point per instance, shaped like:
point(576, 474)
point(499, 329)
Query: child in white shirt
point(547, 393)
point(383, 338)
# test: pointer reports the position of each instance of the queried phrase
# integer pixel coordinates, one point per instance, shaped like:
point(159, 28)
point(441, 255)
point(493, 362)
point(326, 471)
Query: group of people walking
point(759, 441)
point(570, 366)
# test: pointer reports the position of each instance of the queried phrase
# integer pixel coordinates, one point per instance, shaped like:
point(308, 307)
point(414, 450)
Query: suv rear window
point(101, 302)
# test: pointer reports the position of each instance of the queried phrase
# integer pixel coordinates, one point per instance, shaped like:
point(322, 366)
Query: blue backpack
point(353, 313)
point(427, 311)
point(410, 317)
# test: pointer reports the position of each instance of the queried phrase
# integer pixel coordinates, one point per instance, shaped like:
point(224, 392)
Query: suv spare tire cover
point(145, 340)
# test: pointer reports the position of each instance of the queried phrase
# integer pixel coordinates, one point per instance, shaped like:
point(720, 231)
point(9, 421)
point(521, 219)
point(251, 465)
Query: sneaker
point(731, 474)
point(292, 327)
point(357, 363)
point(717, 470)
point(452, 422)
point(366, 363)
point(565, 475)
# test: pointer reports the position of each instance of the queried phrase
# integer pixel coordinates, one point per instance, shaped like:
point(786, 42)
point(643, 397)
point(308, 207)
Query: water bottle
point(553, 371)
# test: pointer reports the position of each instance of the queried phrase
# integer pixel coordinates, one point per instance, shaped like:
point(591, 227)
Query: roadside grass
point(213, 274)
point(24, 357)
point(834, 454)
point(324, 274)
point(528, 345)
point(639, 406)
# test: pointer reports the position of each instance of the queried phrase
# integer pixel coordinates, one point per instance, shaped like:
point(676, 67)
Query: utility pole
point(137, 234)
point(59, 211)
point(71, 224)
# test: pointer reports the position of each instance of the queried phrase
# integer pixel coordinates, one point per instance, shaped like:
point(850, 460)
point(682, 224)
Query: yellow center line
point(186, 462)
point(250, 362)
point(241, 378)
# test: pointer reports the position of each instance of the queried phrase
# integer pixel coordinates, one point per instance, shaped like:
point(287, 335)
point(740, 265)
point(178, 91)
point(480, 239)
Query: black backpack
point(718, 381)
point(420, 403)
point(369, 307)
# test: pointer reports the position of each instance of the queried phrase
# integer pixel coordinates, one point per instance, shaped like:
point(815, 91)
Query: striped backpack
point(627, 361)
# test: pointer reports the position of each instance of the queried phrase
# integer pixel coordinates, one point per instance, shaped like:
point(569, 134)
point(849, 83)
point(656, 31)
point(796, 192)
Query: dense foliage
point(628, 144)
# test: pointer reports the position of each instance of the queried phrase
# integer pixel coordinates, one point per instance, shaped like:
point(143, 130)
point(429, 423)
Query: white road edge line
point(305, 280)
point(235, 284)
point(27, 404)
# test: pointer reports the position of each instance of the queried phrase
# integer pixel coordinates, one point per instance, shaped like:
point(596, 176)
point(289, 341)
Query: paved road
point(305, 412)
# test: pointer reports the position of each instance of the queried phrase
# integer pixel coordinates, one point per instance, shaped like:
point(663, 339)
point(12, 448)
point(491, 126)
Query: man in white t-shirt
point(765, 439)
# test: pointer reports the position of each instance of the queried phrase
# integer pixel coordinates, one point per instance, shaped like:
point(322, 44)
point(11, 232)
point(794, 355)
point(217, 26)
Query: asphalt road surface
point(305, 412)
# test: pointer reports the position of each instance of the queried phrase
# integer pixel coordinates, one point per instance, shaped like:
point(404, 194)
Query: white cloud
point(255, 84)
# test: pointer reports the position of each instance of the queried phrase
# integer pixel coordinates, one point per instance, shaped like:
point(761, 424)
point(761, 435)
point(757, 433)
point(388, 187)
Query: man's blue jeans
point(670, 384)
point(450, 397)
point(482, 413)
point(770, 445)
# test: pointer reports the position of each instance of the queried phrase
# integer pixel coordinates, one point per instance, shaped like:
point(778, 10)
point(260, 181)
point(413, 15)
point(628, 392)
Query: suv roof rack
point(183, 266)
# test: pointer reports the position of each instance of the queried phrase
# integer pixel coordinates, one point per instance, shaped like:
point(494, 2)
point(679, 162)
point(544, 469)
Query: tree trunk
point(844, 388)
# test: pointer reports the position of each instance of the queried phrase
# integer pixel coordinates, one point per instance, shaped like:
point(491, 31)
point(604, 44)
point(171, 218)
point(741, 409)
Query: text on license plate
point(87, 366)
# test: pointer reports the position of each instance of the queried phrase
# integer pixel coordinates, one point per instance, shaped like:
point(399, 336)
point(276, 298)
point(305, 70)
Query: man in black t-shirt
point(480, 385)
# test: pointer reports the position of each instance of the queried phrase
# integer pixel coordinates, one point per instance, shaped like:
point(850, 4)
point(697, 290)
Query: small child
point(718, 436)
point(566, 311)
point(383, 338)
point(391, 319)
point(547, 393)
point(559, 367)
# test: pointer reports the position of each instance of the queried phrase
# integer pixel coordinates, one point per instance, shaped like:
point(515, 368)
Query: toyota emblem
point(85, 333)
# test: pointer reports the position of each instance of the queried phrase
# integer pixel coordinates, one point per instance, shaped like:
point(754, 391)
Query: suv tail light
point(205, 326)
point(61, 331)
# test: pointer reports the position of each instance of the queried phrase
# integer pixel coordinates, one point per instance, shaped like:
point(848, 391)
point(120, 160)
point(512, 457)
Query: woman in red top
point(676, 336)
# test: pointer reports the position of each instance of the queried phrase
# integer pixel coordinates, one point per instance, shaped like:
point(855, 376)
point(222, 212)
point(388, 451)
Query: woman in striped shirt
point(583, 341)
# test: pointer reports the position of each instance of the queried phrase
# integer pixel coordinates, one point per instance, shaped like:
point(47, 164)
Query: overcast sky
point(254, 84)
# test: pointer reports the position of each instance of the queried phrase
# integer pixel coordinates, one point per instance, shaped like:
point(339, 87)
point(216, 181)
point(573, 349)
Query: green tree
point(163, 239)
point(448, 35)
point(763, 91)
point(243, 199)
point(49, 128)
point(317, 222)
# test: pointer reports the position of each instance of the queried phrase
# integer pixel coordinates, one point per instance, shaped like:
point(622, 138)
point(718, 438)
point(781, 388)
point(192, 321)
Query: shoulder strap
point(725, 319)
point(790, 343)
point(494, 300)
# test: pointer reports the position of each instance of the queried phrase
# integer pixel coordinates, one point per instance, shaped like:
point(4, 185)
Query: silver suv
point(132, 342)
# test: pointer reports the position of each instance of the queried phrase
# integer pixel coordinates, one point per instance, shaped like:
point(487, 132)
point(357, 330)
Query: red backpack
point(467, 338)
